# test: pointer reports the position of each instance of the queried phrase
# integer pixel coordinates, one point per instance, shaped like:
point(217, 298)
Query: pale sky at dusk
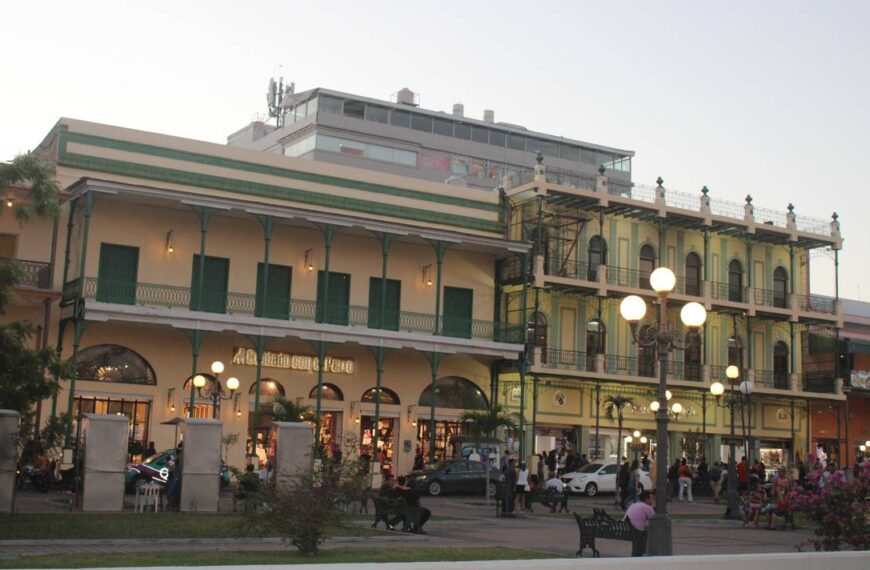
point(761, 98)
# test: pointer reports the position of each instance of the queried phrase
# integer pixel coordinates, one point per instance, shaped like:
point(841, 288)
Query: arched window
point(780, 287)
point(269, 388)
point(692, 357)
point(693, 274)
point(646, 356)
point(536, 333)
point(735, 352)
point(114, 363)
point(780, 365)
point(387, 396)
point(328, 392)
point(735, 281)
point(647, 264)
point(596, 337)
point(455, 392)
point(597, 256)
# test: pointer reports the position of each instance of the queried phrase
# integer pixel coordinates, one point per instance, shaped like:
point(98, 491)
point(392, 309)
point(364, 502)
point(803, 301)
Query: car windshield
point(158, 457)
point(591, 468)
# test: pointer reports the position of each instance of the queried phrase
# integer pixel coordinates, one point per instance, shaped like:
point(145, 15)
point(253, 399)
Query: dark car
point(155, 469)
point(455, 477)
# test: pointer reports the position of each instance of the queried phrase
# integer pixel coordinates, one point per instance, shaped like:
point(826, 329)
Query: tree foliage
point(485, 423)
point(26, 376)
point(613, 410)
point(284, 410)
point(38, 176)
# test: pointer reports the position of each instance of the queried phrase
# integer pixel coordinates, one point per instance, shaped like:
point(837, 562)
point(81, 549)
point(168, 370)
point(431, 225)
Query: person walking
point(510, 484)
point(542, 459)
point(638, 516)
point(742, 475)
point(674, 478)
point(623, 477)
point(584, 461)
point(633, 483)
point(551, 463)
point(644, 463)
point(716, 480)
point(685, 479)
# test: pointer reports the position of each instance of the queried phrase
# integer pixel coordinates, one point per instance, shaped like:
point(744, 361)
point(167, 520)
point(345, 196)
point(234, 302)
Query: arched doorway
point(735, 281)
point(780, 365)
point(780, 288)
point(456, 394)
point(646, 356)
point(646, 266)
point(596, 340)
point(693, 274)
point(596, 255)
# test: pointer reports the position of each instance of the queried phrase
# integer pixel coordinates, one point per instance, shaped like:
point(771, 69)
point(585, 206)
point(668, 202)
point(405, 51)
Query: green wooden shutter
point(457, 312)
point(277, 306)
point(116, 281)
point(391, 316)
point(336, 311)
point(214, 289)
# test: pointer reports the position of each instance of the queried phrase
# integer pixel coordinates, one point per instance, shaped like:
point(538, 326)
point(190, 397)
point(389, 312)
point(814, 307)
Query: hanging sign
point(302, 362)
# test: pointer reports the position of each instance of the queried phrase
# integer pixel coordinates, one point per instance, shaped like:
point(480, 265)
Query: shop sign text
point(302, 362)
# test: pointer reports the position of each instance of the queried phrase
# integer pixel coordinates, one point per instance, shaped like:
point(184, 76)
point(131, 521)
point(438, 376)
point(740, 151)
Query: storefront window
point(454, 392)
point(385, 452)
point(114, 363)
point(445, 432)
point(137, 412)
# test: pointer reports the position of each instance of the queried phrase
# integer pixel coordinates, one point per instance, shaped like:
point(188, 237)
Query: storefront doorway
point(385, 453)
point(138, 413)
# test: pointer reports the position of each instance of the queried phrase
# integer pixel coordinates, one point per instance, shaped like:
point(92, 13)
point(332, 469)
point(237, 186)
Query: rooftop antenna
point(275, 95)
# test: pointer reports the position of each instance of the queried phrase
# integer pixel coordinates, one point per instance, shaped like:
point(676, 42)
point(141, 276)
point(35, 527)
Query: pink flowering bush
point(839, 508)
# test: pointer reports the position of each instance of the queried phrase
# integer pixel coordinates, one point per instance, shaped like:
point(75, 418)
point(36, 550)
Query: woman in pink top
point(638, 516)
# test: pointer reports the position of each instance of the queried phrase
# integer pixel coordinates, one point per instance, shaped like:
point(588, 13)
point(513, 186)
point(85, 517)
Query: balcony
point(35, 274)
point(819, 382)
point(726, 292)
point(622, 365)
point(571, 269)
point(233, 303)
point(770, 298)
point(568, 360)
point(690, 372)
point(771, 379)
point(816, 304)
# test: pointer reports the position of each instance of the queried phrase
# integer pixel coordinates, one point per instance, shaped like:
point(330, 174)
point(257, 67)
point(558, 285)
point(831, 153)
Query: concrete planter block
point(105, 462)
point(292, 443)
point(200, 465)
point(9, 421)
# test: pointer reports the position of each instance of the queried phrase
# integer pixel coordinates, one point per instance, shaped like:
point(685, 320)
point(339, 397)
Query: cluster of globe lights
point(633, 310)
point(217, 367)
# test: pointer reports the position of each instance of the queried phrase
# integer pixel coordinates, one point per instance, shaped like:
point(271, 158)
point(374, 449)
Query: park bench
point(386, 509)
point(602, 525)
point(548, 497)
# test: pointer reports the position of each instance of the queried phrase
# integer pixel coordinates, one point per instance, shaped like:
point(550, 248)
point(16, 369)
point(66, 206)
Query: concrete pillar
point(291, 442)
point(9, 420)
point(105, 462)
point(200, 465)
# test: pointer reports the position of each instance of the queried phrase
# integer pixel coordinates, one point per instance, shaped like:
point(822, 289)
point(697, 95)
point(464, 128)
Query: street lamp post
point(636, 443)
point(215, 391)
point(663, 340)
point(734, 399)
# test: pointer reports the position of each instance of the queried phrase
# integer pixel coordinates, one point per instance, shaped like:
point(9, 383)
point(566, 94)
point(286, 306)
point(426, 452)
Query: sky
point(762, 98)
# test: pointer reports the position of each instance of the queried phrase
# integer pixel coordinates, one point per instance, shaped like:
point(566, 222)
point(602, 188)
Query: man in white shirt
point(475, 456)
point(555, 487)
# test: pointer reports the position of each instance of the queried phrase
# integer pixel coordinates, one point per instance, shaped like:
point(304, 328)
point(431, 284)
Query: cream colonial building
point(323, 274)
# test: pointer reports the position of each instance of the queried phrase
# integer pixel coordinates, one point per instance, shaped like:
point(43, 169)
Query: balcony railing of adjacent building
point(233, 303)
point(816, 303)
point(568, 360)
point(771, 379)
point(35, 274)
point(821, 382)
point(690, 372)
point(618, 364)
point(560, 267)
point(727, 292)
point(677, 199)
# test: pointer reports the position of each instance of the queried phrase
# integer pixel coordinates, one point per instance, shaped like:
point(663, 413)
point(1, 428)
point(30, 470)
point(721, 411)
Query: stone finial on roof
point(834, 216)
point(790, 207)
point(748, 199)
point(540, 158)
point(601, 170)
point(659, 181)
point(705, 191)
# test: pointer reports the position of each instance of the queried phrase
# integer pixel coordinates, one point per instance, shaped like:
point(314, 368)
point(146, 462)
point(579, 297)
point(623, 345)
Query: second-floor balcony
point(287, 309)
point(34, 274)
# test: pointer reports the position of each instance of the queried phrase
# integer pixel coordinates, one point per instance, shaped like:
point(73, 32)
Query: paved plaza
point(470, 523)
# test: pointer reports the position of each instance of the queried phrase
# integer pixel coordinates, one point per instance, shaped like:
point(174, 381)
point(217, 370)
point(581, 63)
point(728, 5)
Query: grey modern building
point(402, 138)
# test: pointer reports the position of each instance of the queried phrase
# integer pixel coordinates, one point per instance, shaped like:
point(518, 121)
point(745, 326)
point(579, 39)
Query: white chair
point(146, 496)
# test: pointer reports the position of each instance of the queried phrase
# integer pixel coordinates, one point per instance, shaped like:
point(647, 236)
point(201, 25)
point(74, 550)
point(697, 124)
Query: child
point(757, 498)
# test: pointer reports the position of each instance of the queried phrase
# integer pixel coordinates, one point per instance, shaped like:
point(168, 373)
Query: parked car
point(455, 477)
point(597, 478)
point(155, 469)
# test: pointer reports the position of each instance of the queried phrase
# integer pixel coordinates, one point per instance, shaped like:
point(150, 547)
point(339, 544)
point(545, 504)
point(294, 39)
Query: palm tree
point(284, 410)
point(614, 406)
point(484, 424)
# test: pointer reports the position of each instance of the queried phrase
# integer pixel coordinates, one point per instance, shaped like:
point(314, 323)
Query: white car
point(597, 478)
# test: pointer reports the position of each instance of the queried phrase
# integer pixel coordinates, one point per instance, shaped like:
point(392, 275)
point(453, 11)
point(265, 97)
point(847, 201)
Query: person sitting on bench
point(638, 516)
point(555, 486)
point(412, 499)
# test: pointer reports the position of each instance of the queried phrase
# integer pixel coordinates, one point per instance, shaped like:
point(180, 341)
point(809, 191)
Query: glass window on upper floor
point(443, 127)
point(569, 152)
point(377, 114)
point(497, 138)
point(330, 104)
point(421, 123)
point(367, 150)
point(516, 142)
point(300, 147)
point(400, 118)
point(462, 131)
point(480, 134)
point(460, 165)
point(355, 109)
point(622, 164)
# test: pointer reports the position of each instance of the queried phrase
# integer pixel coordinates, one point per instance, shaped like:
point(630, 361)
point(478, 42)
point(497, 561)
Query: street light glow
point(677, 408)
point(662, 280)
point(199, 381)
point(233, 383)
point(217, 367)
point(636, 433)
point(717, 389)
point(732, 372)
point(693, 315)
point(632, 308)
point(654, 405)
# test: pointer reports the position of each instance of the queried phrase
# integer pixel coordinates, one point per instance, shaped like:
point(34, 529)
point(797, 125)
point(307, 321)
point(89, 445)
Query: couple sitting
point(397, 489)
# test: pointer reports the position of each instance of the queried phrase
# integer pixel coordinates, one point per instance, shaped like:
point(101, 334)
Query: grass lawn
point(206, 558)
point(138, 525)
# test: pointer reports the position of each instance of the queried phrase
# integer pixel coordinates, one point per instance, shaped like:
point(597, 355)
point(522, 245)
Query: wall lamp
point(412, 414)
point(427, 275)
point(170, 397)
point(309, 259)
point(9, 202)
point(169, 247)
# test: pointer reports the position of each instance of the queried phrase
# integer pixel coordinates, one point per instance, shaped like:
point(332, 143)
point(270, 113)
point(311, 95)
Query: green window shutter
point(391, 315)
point(335, 310)
point(116, 281)
point(457, 312)
point(277, 306)
point(214, 289)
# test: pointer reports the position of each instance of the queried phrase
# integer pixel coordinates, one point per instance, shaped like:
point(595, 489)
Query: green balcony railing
point(232, 303)
point(820, 382)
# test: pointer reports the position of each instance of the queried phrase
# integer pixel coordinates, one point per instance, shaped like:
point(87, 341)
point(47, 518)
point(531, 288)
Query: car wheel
point(591, 490)
point(434, 488)
point(138, 482)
